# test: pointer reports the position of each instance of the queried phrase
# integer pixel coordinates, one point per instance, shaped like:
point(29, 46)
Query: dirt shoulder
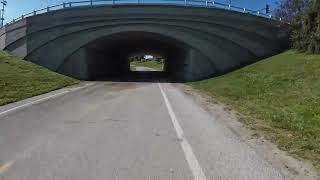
point(290, 167)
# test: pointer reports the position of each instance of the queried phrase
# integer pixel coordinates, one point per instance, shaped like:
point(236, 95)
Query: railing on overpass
point(192, 3)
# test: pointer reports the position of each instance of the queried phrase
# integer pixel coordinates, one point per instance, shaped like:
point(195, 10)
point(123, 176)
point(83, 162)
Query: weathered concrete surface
point(90, 42)
point(122, 131)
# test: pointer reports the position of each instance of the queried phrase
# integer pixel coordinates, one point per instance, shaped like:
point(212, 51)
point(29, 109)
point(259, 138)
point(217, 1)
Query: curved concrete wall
point(214, 41)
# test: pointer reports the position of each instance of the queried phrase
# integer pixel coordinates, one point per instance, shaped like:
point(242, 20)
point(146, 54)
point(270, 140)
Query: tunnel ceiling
point(126, 43)
point(91, 41)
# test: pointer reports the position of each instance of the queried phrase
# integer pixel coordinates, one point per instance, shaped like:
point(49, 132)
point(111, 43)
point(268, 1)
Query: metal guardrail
point(191, 3)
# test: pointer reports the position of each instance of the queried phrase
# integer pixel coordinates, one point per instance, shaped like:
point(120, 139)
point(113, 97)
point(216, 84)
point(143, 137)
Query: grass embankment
point(21, 79)
point(279, 96)
point(150, 64)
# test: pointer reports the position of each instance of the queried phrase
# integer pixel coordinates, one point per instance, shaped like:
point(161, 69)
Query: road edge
point(290, 167)
point(9, 108)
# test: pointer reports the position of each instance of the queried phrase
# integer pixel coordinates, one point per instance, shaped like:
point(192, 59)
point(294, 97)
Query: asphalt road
point(121, 131)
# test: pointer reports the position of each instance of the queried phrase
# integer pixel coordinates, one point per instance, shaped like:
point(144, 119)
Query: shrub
point(306, 34)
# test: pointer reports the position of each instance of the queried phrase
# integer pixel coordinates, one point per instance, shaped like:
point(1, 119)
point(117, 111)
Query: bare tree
point(291, 10)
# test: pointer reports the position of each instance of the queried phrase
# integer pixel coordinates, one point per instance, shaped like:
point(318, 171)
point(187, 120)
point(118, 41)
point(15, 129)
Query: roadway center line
point(194, 165)
point(6, 166)
point(44, 99)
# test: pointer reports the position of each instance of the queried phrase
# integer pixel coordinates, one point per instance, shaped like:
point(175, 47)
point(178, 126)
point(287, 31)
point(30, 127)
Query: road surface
point(121, 131)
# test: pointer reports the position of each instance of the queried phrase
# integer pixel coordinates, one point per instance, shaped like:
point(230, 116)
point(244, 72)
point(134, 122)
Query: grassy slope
point(20, 79)
point(151, 64)
point(279, 96)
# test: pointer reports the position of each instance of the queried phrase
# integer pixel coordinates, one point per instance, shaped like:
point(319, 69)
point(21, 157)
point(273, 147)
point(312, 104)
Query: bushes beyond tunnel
point(280, 96)
point(20, 79)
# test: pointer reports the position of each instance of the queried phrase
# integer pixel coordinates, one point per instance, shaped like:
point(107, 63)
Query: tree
point(312, 27)
point(292, 10)
point(306, 34)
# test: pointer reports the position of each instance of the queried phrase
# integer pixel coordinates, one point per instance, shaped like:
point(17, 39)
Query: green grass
point(279, 96)
point(21, 79)
point(150, 63)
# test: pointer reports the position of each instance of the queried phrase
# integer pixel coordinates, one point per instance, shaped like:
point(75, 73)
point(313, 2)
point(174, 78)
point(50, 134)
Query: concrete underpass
point(108, 57)
point(94, 42)
point(101, 130)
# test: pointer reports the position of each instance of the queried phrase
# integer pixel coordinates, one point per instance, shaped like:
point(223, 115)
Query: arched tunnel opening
point(108, 58)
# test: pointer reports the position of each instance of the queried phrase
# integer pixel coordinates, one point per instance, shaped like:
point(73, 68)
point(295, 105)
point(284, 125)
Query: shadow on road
point(142, 76)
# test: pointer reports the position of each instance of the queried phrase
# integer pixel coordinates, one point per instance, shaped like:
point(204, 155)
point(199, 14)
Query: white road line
point(43, 99)
point(194, 165)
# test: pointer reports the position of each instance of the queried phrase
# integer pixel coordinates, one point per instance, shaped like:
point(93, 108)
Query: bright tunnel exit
point(146, 62)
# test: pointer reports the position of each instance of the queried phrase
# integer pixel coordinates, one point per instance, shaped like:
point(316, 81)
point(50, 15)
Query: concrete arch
point(107, 55)
point(214, 41)
point(58, 55)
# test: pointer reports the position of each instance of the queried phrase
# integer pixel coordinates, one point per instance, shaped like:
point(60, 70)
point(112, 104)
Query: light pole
point(4, 3)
